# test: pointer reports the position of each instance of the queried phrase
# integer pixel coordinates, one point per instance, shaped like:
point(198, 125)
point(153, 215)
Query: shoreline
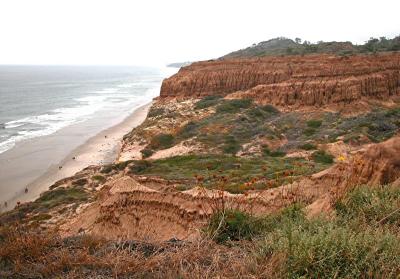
point(100, 149)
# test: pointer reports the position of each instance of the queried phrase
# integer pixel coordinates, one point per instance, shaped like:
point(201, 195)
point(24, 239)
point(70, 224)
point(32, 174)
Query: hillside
point(285, 46)
point(268, 167)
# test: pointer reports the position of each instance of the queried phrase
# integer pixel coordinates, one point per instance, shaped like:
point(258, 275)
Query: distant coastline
point(179, 64)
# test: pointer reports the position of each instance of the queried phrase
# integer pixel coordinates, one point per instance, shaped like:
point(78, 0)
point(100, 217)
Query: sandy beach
point(100, 149)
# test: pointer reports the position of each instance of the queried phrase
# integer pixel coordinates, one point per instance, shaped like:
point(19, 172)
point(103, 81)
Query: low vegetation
point(285, 46)
point(363, 241)
point(237, 173)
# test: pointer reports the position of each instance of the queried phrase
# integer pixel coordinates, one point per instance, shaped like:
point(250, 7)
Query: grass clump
point(275, 153)
point(270, 109)
point(349, 246)
point(140, 166)
point(314, 123)
point(60, 196)
point(309, 132)
point(232, 225)
point(154, 112)
point(323, 157)
point(189, 130)
point(146, 153)
point(233, 106)
point(374, 206)
point(80, 182)
point(162, 141)
point(308, 146)
point(231, 145)
point(207, 101)
point(99, 178)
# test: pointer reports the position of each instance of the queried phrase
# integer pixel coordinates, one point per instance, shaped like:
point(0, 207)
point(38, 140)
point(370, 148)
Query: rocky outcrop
point(126, 209)
point(313, 80)
point(130, 208)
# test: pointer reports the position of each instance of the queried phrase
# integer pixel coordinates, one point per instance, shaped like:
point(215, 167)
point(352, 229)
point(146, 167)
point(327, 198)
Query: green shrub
point(321, 248)
point(188, 130)
point(162, 141)
point(277, 153)
point(375, 206)
point(99, 178)
point(308, 146)
point(270, 109)
point(140, 166)
point(80, 182)
point(60, 196)
point(146, 153)
point(106, 169)
point(309, 132)
point(321, 156)
point(314, 123)
point(233, 106)
point(232, 225)
point(231, 145)
point(265, 150)
point(156, 112)
point(207, 101)
point(122, 165)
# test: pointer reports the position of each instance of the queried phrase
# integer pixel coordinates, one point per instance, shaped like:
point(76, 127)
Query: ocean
point(39, 100)
point(49, 112)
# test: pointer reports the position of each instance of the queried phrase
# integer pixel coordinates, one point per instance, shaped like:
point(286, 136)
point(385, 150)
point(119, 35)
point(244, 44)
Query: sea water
point(46, 112)
point(39, 100)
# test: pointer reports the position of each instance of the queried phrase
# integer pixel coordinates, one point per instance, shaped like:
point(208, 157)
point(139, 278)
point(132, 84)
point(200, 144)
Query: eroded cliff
point(296, 81)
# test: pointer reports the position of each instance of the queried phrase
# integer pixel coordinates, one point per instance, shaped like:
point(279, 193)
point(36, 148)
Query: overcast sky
point(149, 32)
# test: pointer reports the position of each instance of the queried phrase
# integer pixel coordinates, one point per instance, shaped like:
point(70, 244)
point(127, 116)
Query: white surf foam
point(108, 98)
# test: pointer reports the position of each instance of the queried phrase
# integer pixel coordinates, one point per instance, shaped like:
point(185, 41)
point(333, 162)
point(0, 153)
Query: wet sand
point(22, 167)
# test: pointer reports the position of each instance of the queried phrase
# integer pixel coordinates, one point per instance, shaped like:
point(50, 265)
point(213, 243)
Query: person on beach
point(26, 190)
point(5, 204)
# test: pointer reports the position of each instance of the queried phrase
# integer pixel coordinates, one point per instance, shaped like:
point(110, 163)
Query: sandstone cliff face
point(128, 208)
point(313, 80)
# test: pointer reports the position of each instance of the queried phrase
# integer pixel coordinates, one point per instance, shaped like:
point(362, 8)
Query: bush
point(265, 150)
point(140, 166)
point(321, 248)
point(207, 101)
point(156, 112)
point(99, 178)
point(321, 156)
point(270, 109)
point(375, 206)
point(162, 141)
point(277, 153)
point(188, 130)
point(106, 169)
point(309, 132)
point(60, 196)
point(146, 153)
point(232, 225)
point(80, 182)
point(232, 106)
point(308, 146)
point(314, 123)
point(231, 145)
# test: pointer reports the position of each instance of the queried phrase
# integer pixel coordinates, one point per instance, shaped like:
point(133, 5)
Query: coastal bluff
point(294, 81)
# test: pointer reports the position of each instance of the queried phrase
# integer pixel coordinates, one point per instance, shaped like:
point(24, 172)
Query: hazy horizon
point(154, 33)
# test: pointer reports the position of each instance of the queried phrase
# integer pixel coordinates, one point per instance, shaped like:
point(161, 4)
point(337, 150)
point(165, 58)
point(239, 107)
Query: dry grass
point(37, 255)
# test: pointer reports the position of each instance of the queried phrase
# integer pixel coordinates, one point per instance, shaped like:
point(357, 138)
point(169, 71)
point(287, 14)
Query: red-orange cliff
point(312, 80)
